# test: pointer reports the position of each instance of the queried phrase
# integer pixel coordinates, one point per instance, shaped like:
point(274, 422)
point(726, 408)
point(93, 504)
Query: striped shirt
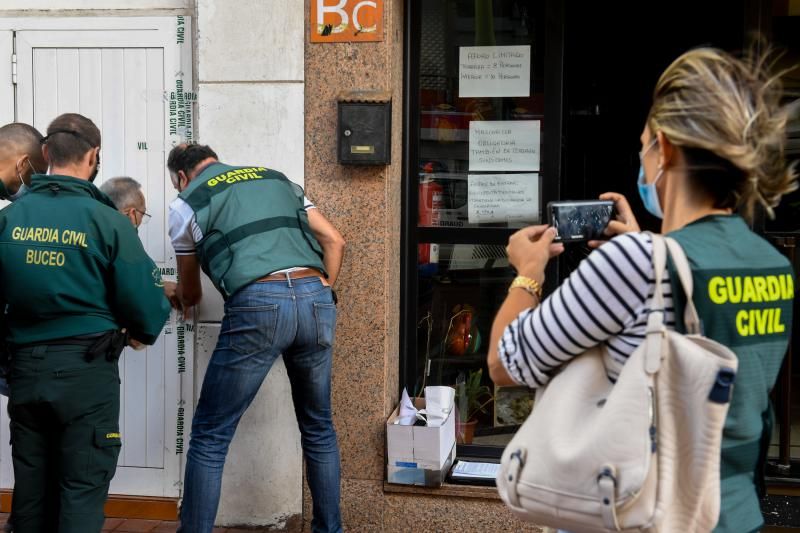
point(605, 301)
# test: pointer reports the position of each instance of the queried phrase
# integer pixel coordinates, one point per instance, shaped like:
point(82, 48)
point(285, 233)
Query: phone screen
point(580, 220)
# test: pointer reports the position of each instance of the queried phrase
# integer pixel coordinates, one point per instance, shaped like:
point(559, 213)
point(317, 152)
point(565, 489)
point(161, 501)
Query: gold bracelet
point(531, 286)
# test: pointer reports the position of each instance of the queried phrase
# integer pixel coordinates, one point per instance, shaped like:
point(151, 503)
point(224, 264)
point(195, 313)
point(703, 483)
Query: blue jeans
point(296, 318)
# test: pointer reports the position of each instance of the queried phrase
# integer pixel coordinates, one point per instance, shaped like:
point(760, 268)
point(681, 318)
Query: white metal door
point(6, 77)
point(131, 76)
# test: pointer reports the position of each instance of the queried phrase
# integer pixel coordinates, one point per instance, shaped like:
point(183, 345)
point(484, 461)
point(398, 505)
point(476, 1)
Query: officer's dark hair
point(186, 157)
point(69, 137)
point(21, 138)
point(123, 191)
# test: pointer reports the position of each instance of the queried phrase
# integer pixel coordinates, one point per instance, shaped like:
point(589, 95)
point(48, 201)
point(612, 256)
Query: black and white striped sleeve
point(597, 301)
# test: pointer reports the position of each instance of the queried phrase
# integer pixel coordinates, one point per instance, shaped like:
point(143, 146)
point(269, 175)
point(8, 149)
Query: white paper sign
point(494, 71)
point(510, 145)
point(503, 198)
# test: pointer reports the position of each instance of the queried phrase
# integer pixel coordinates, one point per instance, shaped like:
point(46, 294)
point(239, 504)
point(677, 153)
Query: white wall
point(262, 480)
point(251, 82)
point(250, 110)
point(254, 124)
point(251, 40)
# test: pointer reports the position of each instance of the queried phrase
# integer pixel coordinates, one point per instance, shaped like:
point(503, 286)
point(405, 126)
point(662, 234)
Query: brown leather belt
point(294, 274)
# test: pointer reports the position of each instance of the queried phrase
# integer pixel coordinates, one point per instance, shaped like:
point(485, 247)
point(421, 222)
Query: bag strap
point(655, 320)
point(607, 487)
point(659, 265)
point(690, 317)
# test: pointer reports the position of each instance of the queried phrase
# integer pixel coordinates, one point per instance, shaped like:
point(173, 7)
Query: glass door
point(482, 160)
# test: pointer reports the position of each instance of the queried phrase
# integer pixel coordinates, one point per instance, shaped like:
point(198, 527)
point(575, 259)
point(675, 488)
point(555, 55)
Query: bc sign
point(336, 21)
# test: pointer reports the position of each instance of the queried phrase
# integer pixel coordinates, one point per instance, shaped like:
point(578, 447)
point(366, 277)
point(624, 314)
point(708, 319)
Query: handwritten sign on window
point(494, 71)
point(503, 198)
point(502, 146)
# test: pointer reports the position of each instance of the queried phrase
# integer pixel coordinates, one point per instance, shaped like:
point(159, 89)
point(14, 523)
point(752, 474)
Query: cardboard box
point(425, 477)
point(419, 455)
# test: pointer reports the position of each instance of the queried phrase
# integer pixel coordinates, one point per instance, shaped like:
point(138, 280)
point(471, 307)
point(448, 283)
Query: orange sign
point(339, 21)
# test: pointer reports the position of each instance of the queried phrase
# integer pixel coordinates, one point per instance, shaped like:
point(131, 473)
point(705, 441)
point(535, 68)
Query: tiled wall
point(364, 203)
point(250, 95)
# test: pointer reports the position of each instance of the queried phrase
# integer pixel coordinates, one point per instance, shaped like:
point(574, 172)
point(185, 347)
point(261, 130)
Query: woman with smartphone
point(712, 152)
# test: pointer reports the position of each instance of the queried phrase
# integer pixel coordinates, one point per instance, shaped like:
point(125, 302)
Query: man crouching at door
point(78, 287)
point(274, 258)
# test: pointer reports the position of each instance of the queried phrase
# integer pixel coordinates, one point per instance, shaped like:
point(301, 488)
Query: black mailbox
point(365, 128)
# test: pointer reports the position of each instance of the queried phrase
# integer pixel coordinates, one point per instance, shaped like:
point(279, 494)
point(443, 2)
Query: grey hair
point(122, 191)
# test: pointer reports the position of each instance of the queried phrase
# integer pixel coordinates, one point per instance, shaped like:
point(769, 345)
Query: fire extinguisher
point(431, 203)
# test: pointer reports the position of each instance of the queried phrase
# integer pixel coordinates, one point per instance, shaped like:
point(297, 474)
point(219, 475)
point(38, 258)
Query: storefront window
point(784, 232)
point(502, 116)
point(481, 106)
point(458, 296)
point(478, 167)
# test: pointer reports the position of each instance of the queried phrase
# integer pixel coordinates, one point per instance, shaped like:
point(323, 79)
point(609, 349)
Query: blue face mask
point(22, 191)
point(647, 191)
point(23, 188)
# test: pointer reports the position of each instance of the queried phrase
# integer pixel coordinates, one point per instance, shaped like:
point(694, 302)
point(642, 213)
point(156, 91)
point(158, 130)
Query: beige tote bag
point(641, 455)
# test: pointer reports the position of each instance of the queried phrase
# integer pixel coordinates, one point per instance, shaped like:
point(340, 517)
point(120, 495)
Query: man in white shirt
point(126, 193)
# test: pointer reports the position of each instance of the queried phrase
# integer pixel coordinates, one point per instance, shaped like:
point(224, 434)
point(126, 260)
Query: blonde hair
point(710, 101)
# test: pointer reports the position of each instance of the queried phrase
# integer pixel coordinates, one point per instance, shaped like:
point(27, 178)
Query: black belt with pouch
point(108, 344)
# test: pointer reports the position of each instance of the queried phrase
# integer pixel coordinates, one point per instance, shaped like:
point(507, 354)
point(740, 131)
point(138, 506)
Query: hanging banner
point(339, 21)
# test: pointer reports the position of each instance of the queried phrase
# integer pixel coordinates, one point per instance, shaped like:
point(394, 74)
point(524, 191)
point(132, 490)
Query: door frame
point(172, 34)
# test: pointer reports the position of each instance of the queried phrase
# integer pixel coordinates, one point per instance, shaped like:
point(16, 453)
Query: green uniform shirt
point(72, 265)
point(253, 222)
point(743, 290)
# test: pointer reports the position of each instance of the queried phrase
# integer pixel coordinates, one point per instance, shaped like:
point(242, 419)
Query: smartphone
point(580, 220)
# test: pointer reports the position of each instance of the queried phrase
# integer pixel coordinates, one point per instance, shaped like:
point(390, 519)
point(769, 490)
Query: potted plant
point(471, 399)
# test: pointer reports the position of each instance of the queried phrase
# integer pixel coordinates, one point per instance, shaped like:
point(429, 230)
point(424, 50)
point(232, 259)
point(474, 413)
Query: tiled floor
point(151, 526)
point(119, 525)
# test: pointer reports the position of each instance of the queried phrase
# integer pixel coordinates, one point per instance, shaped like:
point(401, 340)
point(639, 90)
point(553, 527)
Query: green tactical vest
point(253, 221)
point(743, 290)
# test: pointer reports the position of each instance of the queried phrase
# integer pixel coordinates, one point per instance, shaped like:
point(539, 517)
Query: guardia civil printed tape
point(181, 101)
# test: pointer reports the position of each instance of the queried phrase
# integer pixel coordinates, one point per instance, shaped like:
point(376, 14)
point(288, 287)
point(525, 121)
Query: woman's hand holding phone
point(529, 250)
point(625, 222)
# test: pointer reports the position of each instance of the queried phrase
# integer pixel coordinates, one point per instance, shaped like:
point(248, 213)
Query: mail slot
point(365, 128)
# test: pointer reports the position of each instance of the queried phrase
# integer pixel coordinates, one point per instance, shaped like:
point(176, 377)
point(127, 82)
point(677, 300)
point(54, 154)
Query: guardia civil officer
point(713, 149)
point(126, 193)
point(274, 257)
point(78, 287)
point(20, 158)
